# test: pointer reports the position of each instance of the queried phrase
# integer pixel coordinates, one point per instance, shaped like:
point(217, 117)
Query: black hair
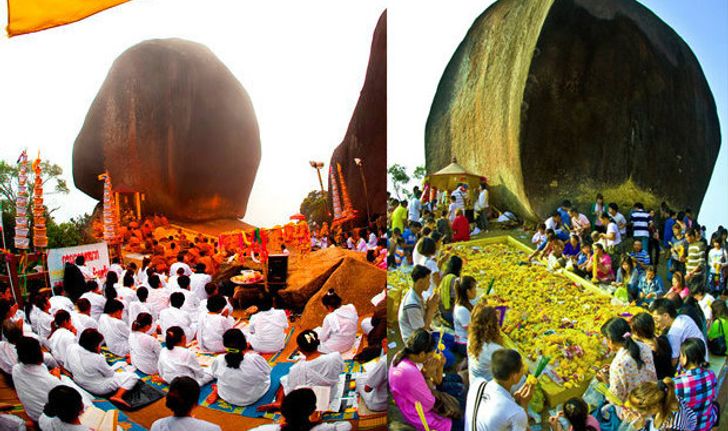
point(128, 279)
point(331, 299)
point(83, 305)
point(694, 351)
point(576, 411)
point(662, 306)
point(308, 341)
point(615, 330)
point(182, 396)
point(200, 267)
point(461, 291)
point(154, 281)
point(177, 299)
point(110, 293)
point(173, 337)
point(112, 306)
point(29, 352)
point(265, 301)
point(80, 260)
point(61, 317)
point(436, 235)
point(91, 286)
point(427, 246)
point(210, 288)
point(505, 363)
point(142, 293)
point(142, 320)
point(65, 403)
point(215, 304)
point(419, 272)
point(11, 332)
point(643, 325)
point(5, 307)
point(566, 203)
point(111, 279)
point(90, 339)
point(419, 342)
point(235, 345)
point(454, 266)
point(614, 206)
point(297, 408)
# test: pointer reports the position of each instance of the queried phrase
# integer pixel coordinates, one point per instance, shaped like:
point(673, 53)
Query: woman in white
point(144, 349)
point(158, 296)
point(181, 400)
point(484, 338)
point(141, 306)
point(176, 360)
point(338, 332)
point(91, 371)
point(94, 296)
point(63, 410)
point(41, 319)
point(466, 291)
point(114, 329)
point(32, 379)
point(372, 386)
point(63, 335)
point(82, 318)
point(266, 331)
point(316, 369)
point(175, 316)
point(243, 377)
point(213, 324)
point(12, 332)
point(297, 409)
point(424, 254)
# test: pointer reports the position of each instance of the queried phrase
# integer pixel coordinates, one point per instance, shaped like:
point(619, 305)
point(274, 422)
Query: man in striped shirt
point(640, 224)
point(640, 257)
point(695, 265)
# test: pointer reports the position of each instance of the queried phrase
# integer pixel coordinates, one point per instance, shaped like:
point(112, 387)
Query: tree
point(76, 231)
point(419, 173)
point(398, 176)
point(316, 207)
point(50, 173)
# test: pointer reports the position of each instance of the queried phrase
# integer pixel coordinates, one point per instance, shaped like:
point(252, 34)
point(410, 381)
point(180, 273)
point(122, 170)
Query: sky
point(302, 63)
point(419, 50)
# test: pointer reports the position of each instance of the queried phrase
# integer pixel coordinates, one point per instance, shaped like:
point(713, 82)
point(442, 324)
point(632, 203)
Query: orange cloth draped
point(28, 16)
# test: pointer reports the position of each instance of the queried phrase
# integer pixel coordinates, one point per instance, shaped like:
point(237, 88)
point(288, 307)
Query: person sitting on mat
point(213, 324)
point(181, 400)
point(299, 412)
point(177, 360)
point(144, 349)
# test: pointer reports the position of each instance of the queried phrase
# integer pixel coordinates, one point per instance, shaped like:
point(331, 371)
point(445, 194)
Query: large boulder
point(171, 121)
point(557, 99)
point(366, 137)
point(356, 282)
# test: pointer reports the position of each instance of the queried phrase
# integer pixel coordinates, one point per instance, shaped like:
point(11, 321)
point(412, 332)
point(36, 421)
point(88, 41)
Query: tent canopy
point(451, 175)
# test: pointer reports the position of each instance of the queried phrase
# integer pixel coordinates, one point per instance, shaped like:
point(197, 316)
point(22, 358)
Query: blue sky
point(423, 35)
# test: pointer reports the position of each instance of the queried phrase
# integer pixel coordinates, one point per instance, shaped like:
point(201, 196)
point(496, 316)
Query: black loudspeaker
point(277, 268)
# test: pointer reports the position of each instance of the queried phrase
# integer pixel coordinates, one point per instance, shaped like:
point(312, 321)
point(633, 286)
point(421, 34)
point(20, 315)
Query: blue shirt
point(641, 257)
point(655, 286)
point(565, 217)
point(409, 237)
point(667, 232)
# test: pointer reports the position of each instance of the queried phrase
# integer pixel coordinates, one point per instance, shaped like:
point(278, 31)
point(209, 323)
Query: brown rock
point(172, 121)
point(307, 274)
point(366, 137)
point(356, 282)
point(592, 96)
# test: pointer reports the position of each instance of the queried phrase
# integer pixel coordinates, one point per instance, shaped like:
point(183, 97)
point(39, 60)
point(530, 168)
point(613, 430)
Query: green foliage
point(76, 231)
point(51, 174)
point(316, 207)
point(398, 176)
point(419, 173)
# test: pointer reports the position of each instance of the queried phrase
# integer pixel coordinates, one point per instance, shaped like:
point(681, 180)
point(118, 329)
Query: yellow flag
point(28, 16)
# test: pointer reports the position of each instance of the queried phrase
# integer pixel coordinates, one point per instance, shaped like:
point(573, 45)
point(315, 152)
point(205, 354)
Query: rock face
point(172, 121)
point(366, 137)
point(561, 99)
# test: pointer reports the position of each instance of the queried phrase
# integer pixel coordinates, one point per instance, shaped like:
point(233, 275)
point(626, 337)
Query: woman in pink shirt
point(408, 384)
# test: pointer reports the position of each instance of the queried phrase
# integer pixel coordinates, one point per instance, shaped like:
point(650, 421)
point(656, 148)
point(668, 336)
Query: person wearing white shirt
point(31, 377)
point(490, 403)
point(485, 327)
point(63, 334)
point(243, 377)
point(297, 409)
point(211, 289)
point(192, 303)
point(88, 274)
point(40, 319)
point(212, 325)
point(60, 302)
point(580, 223)
point(82, 318)
point(91, 371)
point(158, 297)
point(97, 300)
point(8, 353)
point(116, 267)
point(182, 398)
point(460, 194)
point(619, 219)
point(426, 249)
point(114, 329)
point(678, 328)
point(612, 238)
point(144, 349)
point(266, 331)
point(372, 386)
point(482, 207)
point(176, 360)
point(414, 208)
point(174, 316)
point(316, 368)
point(340, 325)
point(140, 306)
point(199, 280)
point(466, 293)
point(63, 410)
point(180, 264)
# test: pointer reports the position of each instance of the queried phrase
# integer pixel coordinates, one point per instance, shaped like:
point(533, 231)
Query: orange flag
point(28, 16)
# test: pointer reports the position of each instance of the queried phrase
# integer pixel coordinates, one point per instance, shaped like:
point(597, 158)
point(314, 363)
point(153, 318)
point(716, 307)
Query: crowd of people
point(454, 371)
point(157, 317)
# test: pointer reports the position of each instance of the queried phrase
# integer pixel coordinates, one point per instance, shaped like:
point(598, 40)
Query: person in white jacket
point(114, 329)
point(91, 371)
point(94, 296)
point(63, 334)
point(297, 409)
point(12, 332)
point(175, 316)
point(182, 400)
point(213, 324)
point(144, 349)
point(199, 280)
point(158, 296)
point(140, 306)
point(243, 377)
point(63, 410)
point(176, 360)
point(82, 318)
point(315, 369)
point(338, 332)
point(60, 302)
point(266, 330)
point(372, 386)
point(40, 319)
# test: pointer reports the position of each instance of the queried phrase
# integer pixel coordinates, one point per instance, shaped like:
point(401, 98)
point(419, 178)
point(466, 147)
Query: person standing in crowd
point(596, 212)
point(619, 219)
point(399, 216)
point(641, 222)
point(695, 265)
point(414, 208)
point(482, 209)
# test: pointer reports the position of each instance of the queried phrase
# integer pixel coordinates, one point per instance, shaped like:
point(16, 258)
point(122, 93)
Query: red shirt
point(460, 229)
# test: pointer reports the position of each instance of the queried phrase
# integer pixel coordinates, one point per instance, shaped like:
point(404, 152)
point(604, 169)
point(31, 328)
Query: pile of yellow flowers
point(547, 314)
